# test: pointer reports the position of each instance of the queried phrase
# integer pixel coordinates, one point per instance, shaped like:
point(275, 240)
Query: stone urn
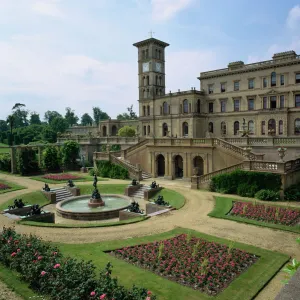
point(196, 171)
point(248, 151)
point(281, 153)
point(96, 199)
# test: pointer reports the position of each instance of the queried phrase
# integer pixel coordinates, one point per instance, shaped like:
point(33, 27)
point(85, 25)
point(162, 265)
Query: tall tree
point(50, 115)
point(59, 124)
point(131, 115)
point(99, 115)
point(35, 119)
point(70, 117)
point(11, 121)
point(20, 115)
point(3, 125)
point(86, 119)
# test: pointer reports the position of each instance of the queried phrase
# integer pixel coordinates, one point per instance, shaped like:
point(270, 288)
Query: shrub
point(126, 131)
point(5, 162)
point(267, 195)
point(51, 159)
point(110, 170)
point(69, 153)
point(27, 161)
point(246, 190)
point(292, 193)
point(229, 183)
point(51, 274)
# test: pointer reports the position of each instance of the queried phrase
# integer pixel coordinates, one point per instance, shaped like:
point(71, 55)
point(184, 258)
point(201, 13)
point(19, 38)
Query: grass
point(31, 198)
point(2, 150)
point(13, 186)
point(103, 189)
point(245, 287)
point(175, 199)
point(223, 205)
point(83, 177)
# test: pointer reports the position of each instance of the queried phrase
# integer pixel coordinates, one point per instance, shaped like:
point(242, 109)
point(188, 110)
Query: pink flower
point(43, 273)
point(148, 298)
point(54, 253)
point(13, 254)
point(93, 293)
point(18, 250)
point(102, 296)
point(149, 293)
point(40, 257)
point(56, 266)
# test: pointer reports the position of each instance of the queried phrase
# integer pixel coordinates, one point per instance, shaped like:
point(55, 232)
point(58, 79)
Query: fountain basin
point(77, 208)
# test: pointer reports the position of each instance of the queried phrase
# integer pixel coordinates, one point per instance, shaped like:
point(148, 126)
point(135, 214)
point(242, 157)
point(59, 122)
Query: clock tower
point(151, 68)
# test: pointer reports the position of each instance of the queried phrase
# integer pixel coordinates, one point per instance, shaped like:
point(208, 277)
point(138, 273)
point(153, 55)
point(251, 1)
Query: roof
point(150, 41)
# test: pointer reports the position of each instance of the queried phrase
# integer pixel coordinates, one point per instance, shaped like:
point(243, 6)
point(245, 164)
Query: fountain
point(96, 199)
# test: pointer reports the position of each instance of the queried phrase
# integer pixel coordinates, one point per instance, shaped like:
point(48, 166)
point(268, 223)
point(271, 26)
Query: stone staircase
point(61, 193)
point(140, 192)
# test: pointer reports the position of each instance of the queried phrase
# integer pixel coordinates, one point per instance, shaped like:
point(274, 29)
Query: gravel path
point(7, 294)
point(193, 215)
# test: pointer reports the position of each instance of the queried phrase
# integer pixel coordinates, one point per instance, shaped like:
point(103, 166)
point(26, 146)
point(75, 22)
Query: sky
point(73, 53)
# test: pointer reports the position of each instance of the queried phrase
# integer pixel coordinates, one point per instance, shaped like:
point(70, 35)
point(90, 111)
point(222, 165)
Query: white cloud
point(163, 10)
point(48, 7)
point(293, 19)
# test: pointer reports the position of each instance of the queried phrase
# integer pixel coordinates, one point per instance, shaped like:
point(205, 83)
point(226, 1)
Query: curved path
point(193, 216)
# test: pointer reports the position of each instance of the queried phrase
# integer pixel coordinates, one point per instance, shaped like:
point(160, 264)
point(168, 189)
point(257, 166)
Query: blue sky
point(60, 53)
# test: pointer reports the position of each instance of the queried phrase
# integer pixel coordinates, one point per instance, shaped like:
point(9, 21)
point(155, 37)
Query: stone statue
point(95, 181)
point(70, 183)
point(153, 185)
point(17, 204)
point(96, 194)
point(35, 210)
point(46, 188)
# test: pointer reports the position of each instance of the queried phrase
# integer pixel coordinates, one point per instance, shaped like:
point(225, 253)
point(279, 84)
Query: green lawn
point(31, 198)
point(2, 150)
point(14, 187)
point(223, 205)
point(103, 189)
point(83, 177)
point(175, 199)
point(245, 287)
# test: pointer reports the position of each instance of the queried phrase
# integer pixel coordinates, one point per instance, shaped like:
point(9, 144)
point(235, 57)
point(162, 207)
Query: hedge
point(245, 183)
point(5, 162)
point(49, 273)
point(292, 193)
point(110, 170)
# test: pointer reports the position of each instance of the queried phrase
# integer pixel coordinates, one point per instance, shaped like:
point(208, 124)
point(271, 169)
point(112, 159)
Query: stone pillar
point(153, 168)
point(168, 167)
point(247, 165)
point(13, 160)
point(194, 182)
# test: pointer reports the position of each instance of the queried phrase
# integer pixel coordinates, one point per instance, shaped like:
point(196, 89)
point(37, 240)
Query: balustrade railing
point(265, 141)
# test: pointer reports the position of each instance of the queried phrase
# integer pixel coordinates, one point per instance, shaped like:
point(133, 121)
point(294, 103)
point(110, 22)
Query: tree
point(51, 158)
point(70, 117)
point(48, 134)
point(86, 119)
point(3, 126)
point(131, 115)
point(20, 116)
point(99, 115)
point(59, 124)
point(126, 131)
point(50, 115)
point(70, 152)
point(35, 119)
point(11, 121)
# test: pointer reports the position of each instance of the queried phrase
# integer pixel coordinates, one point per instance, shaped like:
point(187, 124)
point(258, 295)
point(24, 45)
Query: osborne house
point(238, 117)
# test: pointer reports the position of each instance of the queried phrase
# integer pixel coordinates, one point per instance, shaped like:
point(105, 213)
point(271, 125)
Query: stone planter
point(19, 211)
point(45, 217)
point(152, 208)
point(131, 189)
point(126, 215)
point(148, 194)
point(51, 196)
point(75, 191)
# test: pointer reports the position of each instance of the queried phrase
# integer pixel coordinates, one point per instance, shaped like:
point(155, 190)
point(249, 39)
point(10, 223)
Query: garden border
point(13, 186)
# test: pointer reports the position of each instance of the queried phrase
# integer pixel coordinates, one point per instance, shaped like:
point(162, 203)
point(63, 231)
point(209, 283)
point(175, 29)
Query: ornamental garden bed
point(61, 177)
point(6, 187)
point(195, 262)
point(266, 213)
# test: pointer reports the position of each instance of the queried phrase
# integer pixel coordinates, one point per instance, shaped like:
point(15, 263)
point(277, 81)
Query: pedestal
point(96, 202)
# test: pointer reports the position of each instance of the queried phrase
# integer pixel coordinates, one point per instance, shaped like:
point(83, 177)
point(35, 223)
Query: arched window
point(104, 131)
point(263, 127)
point(160, 80)
point(156, 53)
point(145, 130)
point(198, 106)
point(211, 127)
point(272, 127)
point(165, 108)
point(273, 79)
point(145, 94)
point(148, 110)
point(251, 127)
point(223, 128)
point(144, 110)
point(114, 130)
point(165, 129)
point(148, 80)
point(185, 129)
point(185, 106)
point(280, 131)
point(297, 126)
point(148, 129)
point(156, 80)
point(236, 127)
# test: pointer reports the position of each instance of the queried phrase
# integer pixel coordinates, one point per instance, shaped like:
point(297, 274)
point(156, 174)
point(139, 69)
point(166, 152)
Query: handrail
point(134, 147)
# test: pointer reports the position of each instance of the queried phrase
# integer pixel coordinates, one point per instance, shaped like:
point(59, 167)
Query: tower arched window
point(223, 128)
point(251, 127)
point(198, 106)
point(148, 110)
point(236, 127)
point(185, 106)
point(297, 127)
point(165, 129)
point(273, 79)
point(159, 54)
point(280, 131)
point(165, 108)
point(185, 129)
point(211, 127)
point(144, 110)
point(148, 130)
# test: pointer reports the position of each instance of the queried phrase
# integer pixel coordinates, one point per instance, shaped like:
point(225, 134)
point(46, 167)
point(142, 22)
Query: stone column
point(153, 161)
point(13, 160)
point(194, 182)
point(168, 166)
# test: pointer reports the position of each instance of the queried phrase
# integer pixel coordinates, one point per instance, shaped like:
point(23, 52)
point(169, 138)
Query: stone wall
point(148, 194)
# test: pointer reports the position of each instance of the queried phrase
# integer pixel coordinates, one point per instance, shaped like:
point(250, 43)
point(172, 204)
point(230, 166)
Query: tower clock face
point(145, 67)
point(158, 67)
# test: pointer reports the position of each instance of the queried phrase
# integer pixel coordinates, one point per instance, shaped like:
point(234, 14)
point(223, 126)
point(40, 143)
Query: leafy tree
point(59, 124)
point(20, 115)
point(131, 115)
point(126, 131)
point(70, 117)
point(11, 121)
point(3, 126)
point(51, 159)
point(48, 134)
point(86, 119)
point(70, 152)
point(99, 115)
point(35, 119)
point(50, 115)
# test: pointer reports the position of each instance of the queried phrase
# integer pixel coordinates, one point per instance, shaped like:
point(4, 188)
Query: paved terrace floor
point(193, 216)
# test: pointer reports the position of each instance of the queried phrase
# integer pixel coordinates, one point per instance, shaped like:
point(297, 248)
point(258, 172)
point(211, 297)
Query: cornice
point(151, 41)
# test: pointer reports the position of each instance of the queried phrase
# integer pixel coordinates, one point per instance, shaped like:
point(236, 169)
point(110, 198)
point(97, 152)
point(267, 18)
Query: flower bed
point(51, 274)
point(61, 177)
point(194, 262)
point(4, 187)
point(266, 213)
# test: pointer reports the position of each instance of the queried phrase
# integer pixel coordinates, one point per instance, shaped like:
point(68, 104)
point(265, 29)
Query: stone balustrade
point(264, 141)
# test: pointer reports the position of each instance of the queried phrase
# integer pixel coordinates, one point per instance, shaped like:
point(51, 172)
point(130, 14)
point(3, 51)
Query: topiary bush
point(292, 193)
point(69, 154)
point(267, 195)
point(110, 170)
point(229, 183)
point(27, 161)
point(51, 160)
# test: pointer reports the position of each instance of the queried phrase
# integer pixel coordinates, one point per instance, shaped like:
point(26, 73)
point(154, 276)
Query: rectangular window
point(236, 85)
point(210, 88)
point(273, 101)
point(250, 104)
point(265, 103)
point(223, 88)
point(223, 106)
point(210, 107)
point(263, 127)
point(251, 84)
point(297, 100)
point(281, 79)
point(282, 101)
point(236, 105)
point(265, 82)
point(297, 77)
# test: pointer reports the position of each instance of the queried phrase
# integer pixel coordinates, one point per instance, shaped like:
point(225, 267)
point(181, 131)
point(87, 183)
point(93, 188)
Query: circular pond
point(77, 208)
